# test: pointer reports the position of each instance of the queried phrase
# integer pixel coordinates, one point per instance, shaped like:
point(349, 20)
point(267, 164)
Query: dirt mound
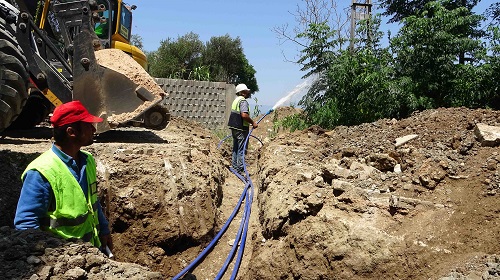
point(399, 199)
point(33, 254)
point(350, 203)
point(121, 62)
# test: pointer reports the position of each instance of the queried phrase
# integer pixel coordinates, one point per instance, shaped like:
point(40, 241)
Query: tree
point(354, 87)
point(176, 59)
point(246, 74)
point(438, 58)
point(136, 40)
point(491, 69)
point(321, 25)
point(430, 51)
point(227, 61)
point(221, 59)
point(400, 9)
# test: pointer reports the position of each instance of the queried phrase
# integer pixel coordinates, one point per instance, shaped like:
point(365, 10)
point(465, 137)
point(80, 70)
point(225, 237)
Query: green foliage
point(256, 109)
point(136, 40)
point(400, 9)
point(176, 58)
point(430, 49)
point(494, 13)
point(228, 63)
point(490, 84)
point(246, 75)
point(440, 58)
point(292, 122)
point(200, 73)
point(317, 55)
point(354, 87)
point(221, 59)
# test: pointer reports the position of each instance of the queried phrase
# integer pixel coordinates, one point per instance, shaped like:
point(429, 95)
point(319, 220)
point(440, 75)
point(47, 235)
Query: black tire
point(14, 75)
point(156, 118)
point(35, 111)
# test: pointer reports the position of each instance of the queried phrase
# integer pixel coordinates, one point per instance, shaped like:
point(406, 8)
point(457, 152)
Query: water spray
point(296, 90)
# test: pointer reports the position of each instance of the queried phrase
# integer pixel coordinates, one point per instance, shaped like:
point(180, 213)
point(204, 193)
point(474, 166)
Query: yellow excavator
point(48, 57)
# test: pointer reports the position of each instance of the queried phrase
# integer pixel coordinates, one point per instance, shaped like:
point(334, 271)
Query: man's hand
point(247, 118)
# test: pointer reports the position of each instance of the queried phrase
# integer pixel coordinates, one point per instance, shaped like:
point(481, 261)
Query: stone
point(382, 162)
point(487, 135)
point(33, 260)
point(75, 273)
point(405, 139)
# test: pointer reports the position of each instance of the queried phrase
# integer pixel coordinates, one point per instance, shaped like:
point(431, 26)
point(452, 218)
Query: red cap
point(71, 112)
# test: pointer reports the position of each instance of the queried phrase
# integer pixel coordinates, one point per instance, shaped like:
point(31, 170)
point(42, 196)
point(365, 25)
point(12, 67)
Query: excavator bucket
point(110, 94)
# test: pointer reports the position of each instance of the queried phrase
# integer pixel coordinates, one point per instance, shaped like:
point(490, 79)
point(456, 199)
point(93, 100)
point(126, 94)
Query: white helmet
point(241, 87)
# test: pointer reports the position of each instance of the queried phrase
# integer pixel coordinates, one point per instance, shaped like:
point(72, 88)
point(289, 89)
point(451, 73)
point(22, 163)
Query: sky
point(251, 21)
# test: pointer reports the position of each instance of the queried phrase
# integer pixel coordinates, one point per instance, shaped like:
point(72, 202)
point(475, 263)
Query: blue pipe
point(214, 241)
point(243, 229)
point(244, 236)
point(248, 208)
point(233, 249)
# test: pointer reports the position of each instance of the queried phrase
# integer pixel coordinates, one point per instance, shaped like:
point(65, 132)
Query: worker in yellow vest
point(239, 123)
point(59, 192)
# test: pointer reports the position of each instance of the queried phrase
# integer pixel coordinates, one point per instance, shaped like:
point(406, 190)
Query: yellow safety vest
point(75, 214)
point(235, 119)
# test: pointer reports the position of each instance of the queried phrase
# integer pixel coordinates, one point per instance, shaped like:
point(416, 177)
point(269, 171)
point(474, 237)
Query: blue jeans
point(239, 138)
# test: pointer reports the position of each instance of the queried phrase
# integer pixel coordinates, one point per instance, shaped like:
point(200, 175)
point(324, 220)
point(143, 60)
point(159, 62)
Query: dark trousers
point(239, 138)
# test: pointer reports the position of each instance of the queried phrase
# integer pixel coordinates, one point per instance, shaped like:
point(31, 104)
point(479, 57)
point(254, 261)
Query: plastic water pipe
point(248, 209)
point(248, 203)
point(243, 229)
point(214, 241)
point(233, 248)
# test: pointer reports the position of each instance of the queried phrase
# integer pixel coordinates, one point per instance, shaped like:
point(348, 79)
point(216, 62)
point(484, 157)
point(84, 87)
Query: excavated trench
point(341, 204)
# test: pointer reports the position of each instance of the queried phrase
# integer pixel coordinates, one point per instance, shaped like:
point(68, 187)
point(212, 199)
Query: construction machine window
point(102, 26)
point(125, 21)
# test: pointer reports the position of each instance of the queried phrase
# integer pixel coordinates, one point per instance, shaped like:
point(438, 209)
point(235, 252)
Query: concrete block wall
point(208, 103)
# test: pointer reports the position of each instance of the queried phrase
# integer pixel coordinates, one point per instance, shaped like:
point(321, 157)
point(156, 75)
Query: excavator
point(48, 57)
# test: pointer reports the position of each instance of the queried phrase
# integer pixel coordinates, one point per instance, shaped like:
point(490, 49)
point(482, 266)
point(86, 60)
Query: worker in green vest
point(239, 123)
point(59, 192)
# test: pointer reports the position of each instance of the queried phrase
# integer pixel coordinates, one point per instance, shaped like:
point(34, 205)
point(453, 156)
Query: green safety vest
point(75, 214)
point(235, 119)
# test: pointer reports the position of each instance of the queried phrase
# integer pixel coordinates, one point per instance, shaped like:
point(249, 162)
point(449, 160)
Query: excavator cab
point(114, 29)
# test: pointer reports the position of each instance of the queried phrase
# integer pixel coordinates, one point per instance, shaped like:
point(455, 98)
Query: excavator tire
point(36, 110)
point(156, 118)
point(14, 75)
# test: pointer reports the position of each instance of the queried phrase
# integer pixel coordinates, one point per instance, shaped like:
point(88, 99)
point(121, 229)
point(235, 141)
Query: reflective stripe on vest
point(66, 222)
point(235, 119)
point(75, 214)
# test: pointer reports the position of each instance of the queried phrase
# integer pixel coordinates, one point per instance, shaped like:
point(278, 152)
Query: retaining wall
point(208, 103)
